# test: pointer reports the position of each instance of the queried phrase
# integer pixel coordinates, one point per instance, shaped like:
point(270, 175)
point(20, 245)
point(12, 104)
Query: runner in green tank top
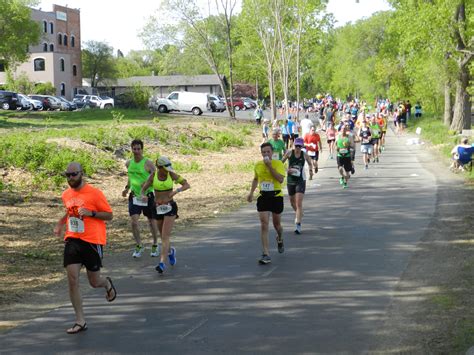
point(376, 134)
point(139, 170)
point(344, 163)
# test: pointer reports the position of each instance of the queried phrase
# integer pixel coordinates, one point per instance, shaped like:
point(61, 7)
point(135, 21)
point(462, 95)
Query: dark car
point(69, 105)
point(8, 100)
point(49, 102)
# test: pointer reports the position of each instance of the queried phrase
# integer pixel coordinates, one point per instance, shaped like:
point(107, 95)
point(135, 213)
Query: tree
point(98, 62)
point(18, 31)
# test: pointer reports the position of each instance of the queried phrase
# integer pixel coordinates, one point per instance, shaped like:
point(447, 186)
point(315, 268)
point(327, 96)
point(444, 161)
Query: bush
point(45, 89)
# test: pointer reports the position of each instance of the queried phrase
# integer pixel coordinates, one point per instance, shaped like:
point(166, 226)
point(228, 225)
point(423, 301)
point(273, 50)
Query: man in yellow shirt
point(269, 175)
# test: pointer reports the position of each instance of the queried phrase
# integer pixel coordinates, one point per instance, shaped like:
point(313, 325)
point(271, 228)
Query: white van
point(194, 102)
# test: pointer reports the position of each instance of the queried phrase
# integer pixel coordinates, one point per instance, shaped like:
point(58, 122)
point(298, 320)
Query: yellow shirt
point(266, 181)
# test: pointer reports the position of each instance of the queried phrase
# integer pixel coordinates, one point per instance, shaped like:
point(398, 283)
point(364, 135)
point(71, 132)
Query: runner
point(291, 126)
point(284, 133)
point(258, 115)
point(277, 144)
point(331, 139)
point(382, 121)
point(166, 207)
point(365, 142)
point(269, 175)
point(312, 142)
point(86, 210)
point(265, 130)
point(296, 179)
point(376, 131)
point(139, 170)
point(344, 164)
point(306, 125)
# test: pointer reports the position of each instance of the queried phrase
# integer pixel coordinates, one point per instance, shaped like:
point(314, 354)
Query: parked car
point(195, 102)
point(35, 104)
point(217, 104)
point(237, 103)
point(249, 103)
point(68, 105)
point(8, 100)
point(49, 102)
point(103, 102)
point(23, 103)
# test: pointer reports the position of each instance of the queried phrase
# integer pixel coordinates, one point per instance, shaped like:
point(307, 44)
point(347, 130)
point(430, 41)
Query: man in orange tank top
point(87, 210)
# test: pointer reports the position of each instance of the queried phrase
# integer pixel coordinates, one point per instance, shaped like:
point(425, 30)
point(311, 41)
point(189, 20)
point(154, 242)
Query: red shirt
point(87, 228)
point(312, 138)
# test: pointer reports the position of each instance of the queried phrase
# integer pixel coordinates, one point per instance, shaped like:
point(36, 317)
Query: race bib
point(75, 225)
point(139, 202)
point(294, 171)
point(311, 153)
point(276, 156)
point(343, 151)
point(163, 209)
point(267, 186)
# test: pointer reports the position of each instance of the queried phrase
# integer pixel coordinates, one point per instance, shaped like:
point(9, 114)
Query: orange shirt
point(312, 138)
point(89, 229)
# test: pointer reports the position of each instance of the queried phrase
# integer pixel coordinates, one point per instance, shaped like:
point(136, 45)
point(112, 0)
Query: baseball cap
point(299, 141)
point(165, 163)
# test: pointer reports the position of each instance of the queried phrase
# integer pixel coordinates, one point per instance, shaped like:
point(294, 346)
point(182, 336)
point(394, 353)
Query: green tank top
point(165, 185)
point(343, 144)
point(137, 176)
point(297, 165)
point(375, 130)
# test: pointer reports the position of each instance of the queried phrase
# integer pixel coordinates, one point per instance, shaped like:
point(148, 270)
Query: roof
point(169, 80)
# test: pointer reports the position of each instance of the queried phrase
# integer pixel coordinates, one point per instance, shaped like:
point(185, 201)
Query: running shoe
point(298, 228)
point(139, 249)
point(383, 148)
point(341, 181)
point(377, 159)
point(172, 256)
point(344, 186)
point(331, 157)
point(366, 166)
point(281, 247)
point(154, 251)
point(160, 267)
point(353, 170)
point(315, 170)
point(265, 259)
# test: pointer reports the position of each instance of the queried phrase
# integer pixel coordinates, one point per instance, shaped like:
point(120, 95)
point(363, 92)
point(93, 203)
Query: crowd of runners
point(290, 150)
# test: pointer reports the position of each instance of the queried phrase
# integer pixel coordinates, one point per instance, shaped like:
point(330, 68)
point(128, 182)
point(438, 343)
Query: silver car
point(217, 104)
point(34, 104)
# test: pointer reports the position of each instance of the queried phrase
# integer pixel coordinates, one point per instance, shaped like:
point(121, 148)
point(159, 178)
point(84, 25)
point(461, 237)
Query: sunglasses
point(298, 146)
point(72, 174)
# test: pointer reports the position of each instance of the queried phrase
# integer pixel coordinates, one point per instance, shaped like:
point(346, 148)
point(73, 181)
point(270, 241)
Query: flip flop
point(80, 328)
point(112, 288)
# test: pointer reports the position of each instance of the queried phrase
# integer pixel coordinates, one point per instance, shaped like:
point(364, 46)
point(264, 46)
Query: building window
point(65, 40)
point(39, 64)
point(51, 47)
point(45, 47)
point(60, 39)
point(73, 41)
point(74, 70)
point(51, 28)
point(63, 89)
point(45, 27)
point(61, 64)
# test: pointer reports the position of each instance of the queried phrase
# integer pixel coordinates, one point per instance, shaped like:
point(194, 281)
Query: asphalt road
point(328, 293)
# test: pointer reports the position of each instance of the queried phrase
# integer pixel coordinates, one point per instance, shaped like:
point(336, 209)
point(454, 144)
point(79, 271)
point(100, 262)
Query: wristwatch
point(94, 213)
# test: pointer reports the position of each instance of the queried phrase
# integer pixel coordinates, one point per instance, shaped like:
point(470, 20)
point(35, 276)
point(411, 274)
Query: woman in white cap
point(166, 207)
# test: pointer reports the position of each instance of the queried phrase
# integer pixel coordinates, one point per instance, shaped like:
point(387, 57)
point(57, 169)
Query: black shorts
point(316, 156)
point(272, 204)
point(344, 162)
point(172, 213)
point(374, 141)
point(294, 136)
point(331, 141)
point(286, 138)
point(77, 251)
point(148, 211)
point(299, 187)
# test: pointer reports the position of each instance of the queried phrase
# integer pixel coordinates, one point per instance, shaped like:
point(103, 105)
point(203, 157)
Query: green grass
point(434, 131)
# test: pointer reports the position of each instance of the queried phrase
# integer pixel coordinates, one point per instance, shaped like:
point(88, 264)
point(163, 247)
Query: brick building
point(57, 58)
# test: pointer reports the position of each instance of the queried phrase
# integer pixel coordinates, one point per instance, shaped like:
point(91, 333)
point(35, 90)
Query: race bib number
point(343, 151)
point(139, 202)
point(163, 209)
point(294, 171)
point(75, 225)
point(311, 153)
point(276, 156)
point(267, 186)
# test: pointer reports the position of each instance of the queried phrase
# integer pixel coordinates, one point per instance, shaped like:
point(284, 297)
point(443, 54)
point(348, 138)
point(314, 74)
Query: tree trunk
point(448, 106)
point(462, 108)
point(298, 49)
point(271, 87)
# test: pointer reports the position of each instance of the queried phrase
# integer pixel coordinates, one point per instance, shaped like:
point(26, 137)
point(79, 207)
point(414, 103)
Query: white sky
point(118, 23)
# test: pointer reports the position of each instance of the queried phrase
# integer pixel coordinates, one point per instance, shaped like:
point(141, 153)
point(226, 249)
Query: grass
point(434, 131)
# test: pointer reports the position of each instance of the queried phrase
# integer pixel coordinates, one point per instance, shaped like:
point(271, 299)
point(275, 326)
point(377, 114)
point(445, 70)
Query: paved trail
point(327, 293)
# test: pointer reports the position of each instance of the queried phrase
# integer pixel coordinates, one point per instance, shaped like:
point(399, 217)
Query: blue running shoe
point(172, 256)
point(160, 268)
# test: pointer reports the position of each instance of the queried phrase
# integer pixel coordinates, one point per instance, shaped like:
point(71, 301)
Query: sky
point(118, 24)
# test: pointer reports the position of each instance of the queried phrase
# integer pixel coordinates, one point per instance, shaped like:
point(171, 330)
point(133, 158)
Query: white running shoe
point(139, 249)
